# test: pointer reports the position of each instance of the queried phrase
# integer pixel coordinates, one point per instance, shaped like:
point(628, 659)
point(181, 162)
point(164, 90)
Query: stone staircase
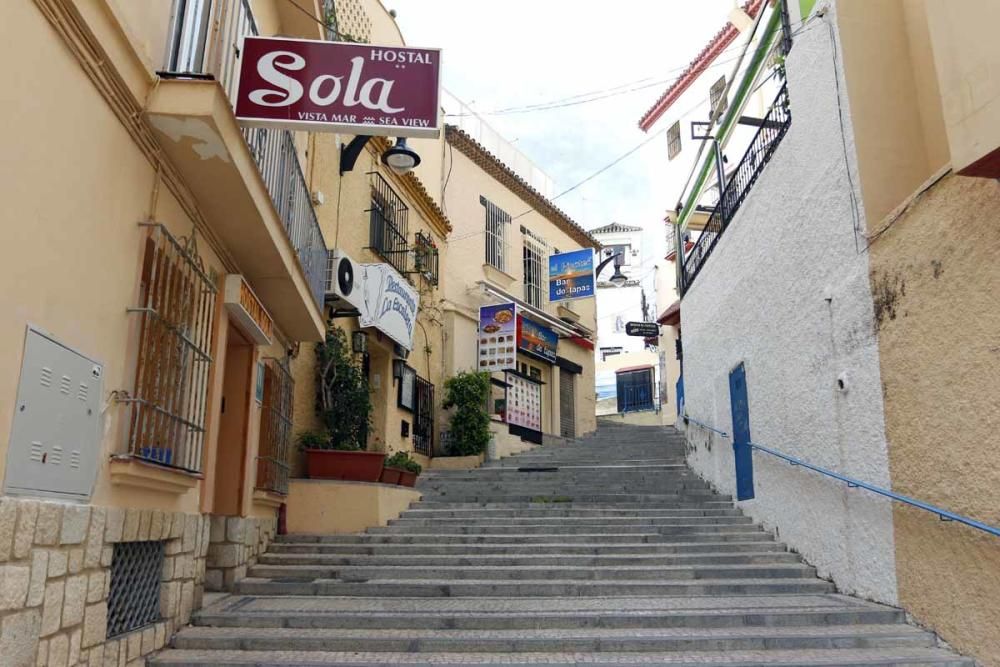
point(608, 551)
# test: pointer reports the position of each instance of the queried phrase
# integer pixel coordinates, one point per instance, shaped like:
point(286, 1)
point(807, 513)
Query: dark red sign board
point(300, 84)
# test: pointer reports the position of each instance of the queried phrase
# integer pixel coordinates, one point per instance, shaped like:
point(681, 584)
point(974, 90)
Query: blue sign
point(571, 275)
point(537, 340)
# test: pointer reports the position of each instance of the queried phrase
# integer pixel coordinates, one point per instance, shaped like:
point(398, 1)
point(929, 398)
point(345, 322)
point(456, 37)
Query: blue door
point(742, 452)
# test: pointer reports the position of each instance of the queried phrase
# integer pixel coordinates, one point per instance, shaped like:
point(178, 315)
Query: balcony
point(388, 225)
point(741, 180)
point(247, 181)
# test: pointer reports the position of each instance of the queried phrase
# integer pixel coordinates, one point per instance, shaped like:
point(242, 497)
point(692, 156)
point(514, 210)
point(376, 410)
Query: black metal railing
point(388, 223)
point(770, 133)
point(635, 390)
point(206, 40)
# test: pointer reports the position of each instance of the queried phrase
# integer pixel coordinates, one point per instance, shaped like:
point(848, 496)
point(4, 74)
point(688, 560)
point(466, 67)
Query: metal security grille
point(497, 224)
point(388, 218)
point(674, 141)
point(275, 427)
point(534, 252)
point(423, 423)
point(134, 595)
point(168, 404)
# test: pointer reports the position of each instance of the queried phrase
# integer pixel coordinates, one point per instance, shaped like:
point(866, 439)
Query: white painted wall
point(786, 291)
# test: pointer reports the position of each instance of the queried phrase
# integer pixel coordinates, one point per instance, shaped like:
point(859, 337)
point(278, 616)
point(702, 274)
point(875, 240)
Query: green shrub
point(403, 460)
point(469, 427)
point(343, 399)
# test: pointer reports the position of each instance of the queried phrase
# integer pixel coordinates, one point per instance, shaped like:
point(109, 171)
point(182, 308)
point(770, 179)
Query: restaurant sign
point(389, 303)
point(537, 340)
point(301, 84)
point(571, 275)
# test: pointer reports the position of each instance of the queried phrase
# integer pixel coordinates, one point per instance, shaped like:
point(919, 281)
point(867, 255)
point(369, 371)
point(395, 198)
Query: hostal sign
point(300, 84)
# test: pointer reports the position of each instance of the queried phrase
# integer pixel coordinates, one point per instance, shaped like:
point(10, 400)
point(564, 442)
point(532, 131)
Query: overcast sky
point(514, 53)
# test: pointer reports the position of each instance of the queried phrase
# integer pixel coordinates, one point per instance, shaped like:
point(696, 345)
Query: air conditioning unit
point(344, 278)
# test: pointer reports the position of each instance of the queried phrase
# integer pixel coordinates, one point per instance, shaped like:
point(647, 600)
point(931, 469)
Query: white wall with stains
point(787, 293)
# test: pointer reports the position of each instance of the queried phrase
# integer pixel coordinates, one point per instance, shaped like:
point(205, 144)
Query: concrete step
point(577, 522)
point(552, 512)
point(432, 560)
point(571, 496)
point(362, 573)
point(555, 640)
point(532, 588)
point(568, 528)
point(692, 535)
point(531, 613)
point(561, 504)
point(416, 549)
point(888, 657)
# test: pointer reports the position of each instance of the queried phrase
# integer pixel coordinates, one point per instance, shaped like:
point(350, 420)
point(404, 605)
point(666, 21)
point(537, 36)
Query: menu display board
point(497, 337)
point(537, 340)
point(524, 402)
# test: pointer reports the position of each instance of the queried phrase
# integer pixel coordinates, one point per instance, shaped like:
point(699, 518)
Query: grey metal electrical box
point(55, 438)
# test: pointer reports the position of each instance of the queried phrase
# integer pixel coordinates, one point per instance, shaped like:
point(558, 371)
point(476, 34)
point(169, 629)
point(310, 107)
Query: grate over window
point(275, 427)
point(534, 254)
point(177, 307)
point(389, 222)
point(674, 141)
point(134, 595)
point(497, 224)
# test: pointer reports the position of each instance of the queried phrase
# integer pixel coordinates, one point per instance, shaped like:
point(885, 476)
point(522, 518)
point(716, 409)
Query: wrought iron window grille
point(425, 258)
point(534, 253)
point(497, 232)
point(273, 459)
point(177, 311)
point(388, 224)
point(741, 180)
point(134, 592)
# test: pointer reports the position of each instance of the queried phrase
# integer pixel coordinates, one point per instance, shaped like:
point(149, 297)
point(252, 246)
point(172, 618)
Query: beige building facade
point(504, 231)
point(157, 286)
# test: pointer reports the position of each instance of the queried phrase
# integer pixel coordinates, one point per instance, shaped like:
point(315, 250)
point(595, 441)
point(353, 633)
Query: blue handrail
point(943, 514)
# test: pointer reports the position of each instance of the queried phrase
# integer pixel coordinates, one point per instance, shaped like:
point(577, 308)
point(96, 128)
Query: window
point(635, 390)
point(534, 254)
point(177, 307)
point(534, 372)
point(674, 140)
point(609, 352)
point(425, 257)
point(388, 222)
point(715, 94)
point(275, 427)
point(497, 224)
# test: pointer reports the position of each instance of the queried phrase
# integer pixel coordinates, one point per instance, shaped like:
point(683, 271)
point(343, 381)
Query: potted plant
point(405, 469)
point(392, 471)
point(344, 402)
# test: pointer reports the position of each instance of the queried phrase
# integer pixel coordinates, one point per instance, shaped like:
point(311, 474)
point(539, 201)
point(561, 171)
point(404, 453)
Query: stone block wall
point(235, 544)
point(55, 576)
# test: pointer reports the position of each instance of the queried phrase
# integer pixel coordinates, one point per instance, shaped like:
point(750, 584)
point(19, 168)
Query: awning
point(672, 315)
point(570, 330)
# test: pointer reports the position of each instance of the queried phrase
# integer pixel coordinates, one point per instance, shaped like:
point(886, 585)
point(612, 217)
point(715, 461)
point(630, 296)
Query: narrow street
point(608, 551)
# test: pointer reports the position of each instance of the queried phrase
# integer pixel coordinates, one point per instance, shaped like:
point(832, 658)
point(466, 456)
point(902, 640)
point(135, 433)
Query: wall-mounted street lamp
point(359, 342)
point(618, 278)
point(400, 158)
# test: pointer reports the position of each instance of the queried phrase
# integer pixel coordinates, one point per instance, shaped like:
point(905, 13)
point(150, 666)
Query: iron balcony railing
point(205, 41)
point(852, 483)
point(742, 179)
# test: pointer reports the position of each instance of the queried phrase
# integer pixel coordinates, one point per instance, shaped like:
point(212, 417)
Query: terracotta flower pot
point(391, 475)
point(354, 466)
point(407, 478)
